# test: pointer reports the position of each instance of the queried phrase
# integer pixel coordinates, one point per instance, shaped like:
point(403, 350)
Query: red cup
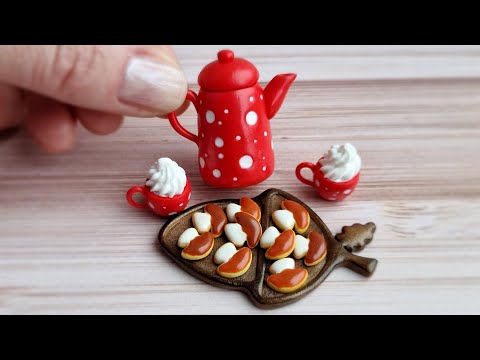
point(327, 189)
point(160, 205)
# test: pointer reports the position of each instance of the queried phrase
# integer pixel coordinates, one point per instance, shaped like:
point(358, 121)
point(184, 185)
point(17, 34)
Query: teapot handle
point(172, 117)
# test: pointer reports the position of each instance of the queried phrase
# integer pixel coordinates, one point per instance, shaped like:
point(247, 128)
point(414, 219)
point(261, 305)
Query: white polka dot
point(220, 123)
point(261, 97)
point(238, 138)
point(219, 142)
point(251, 99)
point(263, 158)
point(210, 117)
point(164, 208)
point(217, 173)
point(326, 188)
point(265, 133)
point(348, 191)
point(201, 102)
point(220, 156)
point(235, 179)
point(151, 205)
point(255, 141)
point(202, 162)
point(264, 168)
point(246, 162)
point(172, 213)
point(203, 135)
point(226, 111)
point(181, 205)
point(317, 183)
point(252, 118)
point(189, 196)
point(206, 155)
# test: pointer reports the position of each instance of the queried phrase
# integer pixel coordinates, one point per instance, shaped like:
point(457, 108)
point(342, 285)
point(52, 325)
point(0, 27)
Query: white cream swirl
point(341, 163)
point(166, 178)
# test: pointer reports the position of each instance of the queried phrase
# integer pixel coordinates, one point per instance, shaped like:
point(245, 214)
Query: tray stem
point(362, 265)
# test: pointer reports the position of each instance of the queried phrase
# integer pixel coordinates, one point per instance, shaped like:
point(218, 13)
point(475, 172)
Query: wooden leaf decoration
point(357, 236)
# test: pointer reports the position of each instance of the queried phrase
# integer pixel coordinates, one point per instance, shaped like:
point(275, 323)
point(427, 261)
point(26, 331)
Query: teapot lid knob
point(225, 56)
point(228, 73)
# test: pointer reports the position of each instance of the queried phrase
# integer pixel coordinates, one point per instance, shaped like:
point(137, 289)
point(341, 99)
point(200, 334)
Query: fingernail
point(153, 86)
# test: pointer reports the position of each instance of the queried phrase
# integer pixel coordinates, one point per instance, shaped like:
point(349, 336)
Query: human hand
point(48, 88)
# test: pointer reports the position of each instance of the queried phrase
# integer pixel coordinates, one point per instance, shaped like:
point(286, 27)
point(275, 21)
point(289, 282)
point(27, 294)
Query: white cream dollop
point(341, 163)
point(166, 178)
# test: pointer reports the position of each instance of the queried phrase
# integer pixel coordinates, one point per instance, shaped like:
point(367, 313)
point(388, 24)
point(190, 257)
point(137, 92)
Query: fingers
point(180, 110)
point(97, 122)
point(129, 80)
point(51, 124)
point(12, 107)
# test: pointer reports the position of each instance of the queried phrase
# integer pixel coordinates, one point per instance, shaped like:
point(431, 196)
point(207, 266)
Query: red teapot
point(234, 137)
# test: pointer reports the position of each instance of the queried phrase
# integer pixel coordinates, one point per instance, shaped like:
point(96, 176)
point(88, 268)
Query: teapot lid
point(228, 73)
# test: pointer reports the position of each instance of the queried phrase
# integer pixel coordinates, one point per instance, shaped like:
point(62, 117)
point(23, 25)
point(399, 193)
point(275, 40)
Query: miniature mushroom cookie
point(247, 228)
point(247, 205)
point(283, 219)
point(194, 245)
point(213, 220)
point(292, 216)
point(316, 248)
point(232, 263)
point(300, 215)
point(285, 277)
point(278, 245)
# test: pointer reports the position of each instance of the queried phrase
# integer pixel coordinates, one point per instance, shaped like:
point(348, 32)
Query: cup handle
point(132, 191)
point(172, 117)
point(302, 166)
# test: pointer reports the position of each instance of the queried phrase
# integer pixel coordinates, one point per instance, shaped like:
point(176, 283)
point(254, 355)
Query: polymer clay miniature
point(317, 249)
point(278, 245)
point(285, 277)
point(313, 248)
point(235, 147)
point(292, 215)
point(246, 205)
point(269, 283)
point(336, 174)
point(232, 262)
point(247, 228)
point(194, 245)
point(357, 236)
point(167, 189)
point(213, 219)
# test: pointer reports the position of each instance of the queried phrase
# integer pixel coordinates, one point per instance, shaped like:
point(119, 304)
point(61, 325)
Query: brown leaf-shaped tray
point(253, 281)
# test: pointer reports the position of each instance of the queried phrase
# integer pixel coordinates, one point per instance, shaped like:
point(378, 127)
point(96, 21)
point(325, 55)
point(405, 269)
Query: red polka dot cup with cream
point(167, 190)
point(234, 136)
point(335, 175)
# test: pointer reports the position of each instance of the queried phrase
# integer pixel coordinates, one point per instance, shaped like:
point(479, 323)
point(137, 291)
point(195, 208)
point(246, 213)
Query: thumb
point(128, 80)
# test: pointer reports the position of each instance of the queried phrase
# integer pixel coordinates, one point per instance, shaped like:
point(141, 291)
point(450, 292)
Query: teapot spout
point(276, 91)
